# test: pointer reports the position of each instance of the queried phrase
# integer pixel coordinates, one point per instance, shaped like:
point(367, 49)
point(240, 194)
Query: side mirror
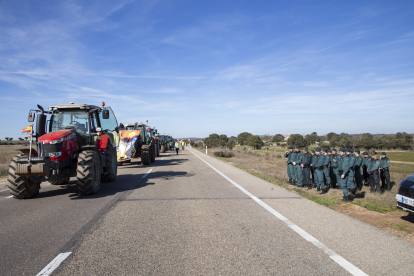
point(105, 114)
point(31, 117)
point(117, 129)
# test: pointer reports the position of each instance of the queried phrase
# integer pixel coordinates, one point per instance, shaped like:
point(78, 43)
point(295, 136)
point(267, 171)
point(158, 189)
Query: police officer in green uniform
point(312, 168)
point(305, 164)
point(326, 171)
point(350, 184)
point(334, 167)
point(319, 169)
point(290, 172)
point(365, 163)
point(343, 167)
point(357, 169)
point(296, 161)
point(372, 169)
point(385, 171)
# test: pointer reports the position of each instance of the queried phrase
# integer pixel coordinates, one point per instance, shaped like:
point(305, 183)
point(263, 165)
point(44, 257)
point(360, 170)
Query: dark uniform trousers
point(375, 181)
point(385, 177)
point(365, 174)
point(306, 175)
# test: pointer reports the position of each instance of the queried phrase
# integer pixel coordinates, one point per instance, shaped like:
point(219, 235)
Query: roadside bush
point(279, 156)
point(225, 154)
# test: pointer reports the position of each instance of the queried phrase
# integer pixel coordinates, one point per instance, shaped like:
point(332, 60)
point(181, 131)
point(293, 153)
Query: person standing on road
point(290, 171)
point(351, 159)
point(357, 169)
point(385, 172)
point(326, 171)
point(365, 163)
point(334, 168)
point(296, 161)
point(343, 164)
point(315, 160)
point(177, 146)
point(372, 169)
point(183, 144)
point(319, 169)
point(305, 164)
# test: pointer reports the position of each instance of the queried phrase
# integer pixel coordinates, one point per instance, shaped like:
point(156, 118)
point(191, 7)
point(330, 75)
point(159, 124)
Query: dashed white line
point(145, 175)
point(162, 158)
point(9, 196)
point(54, 264)
point(332, 254)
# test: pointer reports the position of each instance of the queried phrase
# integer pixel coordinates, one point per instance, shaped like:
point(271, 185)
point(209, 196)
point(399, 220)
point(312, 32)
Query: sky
point(193, 68)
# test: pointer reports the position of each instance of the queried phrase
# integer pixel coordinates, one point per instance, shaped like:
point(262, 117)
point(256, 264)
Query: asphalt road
point(186, 218)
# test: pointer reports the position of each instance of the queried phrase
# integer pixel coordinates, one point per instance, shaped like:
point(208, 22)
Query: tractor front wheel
point(146, 155)
point(88, 173)
point(111, 165)
point(20, 186)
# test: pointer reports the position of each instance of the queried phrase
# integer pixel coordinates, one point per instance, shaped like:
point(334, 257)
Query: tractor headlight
point(57, 141)
point(55, 154)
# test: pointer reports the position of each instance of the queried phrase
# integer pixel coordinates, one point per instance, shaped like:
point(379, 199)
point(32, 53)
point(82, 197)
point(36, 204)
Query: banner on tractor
point(27, 129)
point(127, 143)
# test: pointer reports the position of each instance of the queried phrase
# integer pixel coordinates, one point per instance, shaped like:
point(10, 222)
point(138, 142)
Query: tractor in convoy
point(137, 141)
point(162, 142)
point(78, 140)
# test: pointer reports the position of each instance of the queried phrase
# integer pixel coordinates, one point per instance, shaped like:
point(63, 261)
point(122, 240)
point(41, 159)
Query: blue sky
point(198, 67)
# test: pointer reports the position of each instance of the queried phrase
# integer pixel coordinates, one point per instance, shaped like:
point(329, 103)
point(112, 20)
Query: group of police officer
point(328, 168)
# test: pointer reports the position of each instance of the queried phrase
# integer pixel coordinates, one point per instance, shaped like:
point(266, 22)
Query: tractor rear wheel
point(146, 155)
point(153, 153)
point(162, 148)
point(20, 186)
point(88, 173)
point(111, 165)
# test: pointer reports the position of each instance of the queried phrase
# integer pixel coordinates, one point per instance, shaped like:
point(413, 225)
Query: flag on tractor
point(27, 129)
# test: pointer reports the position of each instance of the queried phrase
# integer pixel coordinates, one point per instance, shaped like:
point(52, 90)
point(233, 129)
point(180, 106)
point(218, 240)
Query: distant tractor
point(81, 141)
point(143, 146)
point(162, 144)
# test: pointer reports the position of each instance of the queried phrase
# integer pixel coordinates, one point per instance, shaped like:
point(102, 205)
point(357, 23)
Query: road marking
point(145, 175)
point(162, 158)
point(54, 264)
point(9, 196)
point(332, 254)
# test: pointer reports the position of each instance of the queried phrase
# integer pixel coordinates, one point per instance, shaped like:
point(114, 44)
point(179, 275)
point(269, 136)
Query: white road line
point(145, 175)
point(9, 196)
point(54, 264)
point(333, 255)
point(162, 158)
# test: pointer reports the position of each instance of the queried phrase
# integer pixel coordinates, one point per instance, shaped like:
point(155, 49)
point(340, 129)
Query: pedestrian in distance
point(305, 164)
point(319, 169)
point(357, 169)
point(290, 171)
point(343, 168)
point(177, 146)
point(326, 171)
point(312, 168)
point(334, 168)
point(365, 163)
point(296, 162)
point(351, 173)
point(385, 172)
point(372, 169)
point(183, 144)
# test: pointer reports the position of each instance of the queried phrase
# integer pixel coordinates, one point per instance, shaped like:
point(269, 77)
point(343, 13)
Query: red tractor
point(81, 141)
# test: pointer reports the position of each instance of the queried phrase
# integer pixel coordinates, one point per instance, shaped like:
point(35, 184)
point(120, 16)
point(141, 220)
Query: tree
point(11, 139)
point(25, 138)
point(7, 138)
point(331, 136)
point(212, 140)
point(278, 138)
point(267, 137)
point(255, 141)
point(230, 144)
point(223, 140)
point(20, 139)
point(242, 138)
point(297, 140)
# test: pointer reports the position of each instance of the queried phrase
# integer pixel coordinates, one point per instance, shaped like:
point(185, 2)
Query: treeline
point(214, 140)
point(366, 141)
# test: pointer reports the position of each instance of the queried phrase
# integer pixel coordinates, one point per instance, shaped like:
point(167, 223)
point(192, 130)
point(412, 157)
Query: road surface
point(189, 214)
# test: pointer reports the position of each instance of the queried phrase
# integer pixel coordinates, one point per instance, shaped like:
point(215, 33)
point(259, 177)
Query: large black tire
point(158, 149)
point(146, 155)
point(111, 165)
point(153, 152)
point(88, 173)
point(20, 186)
point(162, 148)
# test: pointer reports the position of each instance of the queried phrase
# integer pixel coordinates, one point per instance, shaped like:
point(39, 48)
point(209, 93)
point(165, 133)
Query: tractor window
point(129, 128)
point(64, 119)
point(108, 124)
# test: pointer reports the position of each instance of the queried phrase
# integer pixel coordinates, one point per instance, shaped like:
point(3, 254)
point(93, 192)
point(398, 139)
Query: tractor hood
point(56, 135)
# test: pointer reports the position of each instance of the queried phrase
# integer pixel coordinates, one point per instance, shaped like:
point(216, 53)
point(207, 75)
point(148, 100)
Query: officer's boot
point(289, 181)
point(309, 186)
point(345, 199)
point(294, 183)
point(318, 189)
